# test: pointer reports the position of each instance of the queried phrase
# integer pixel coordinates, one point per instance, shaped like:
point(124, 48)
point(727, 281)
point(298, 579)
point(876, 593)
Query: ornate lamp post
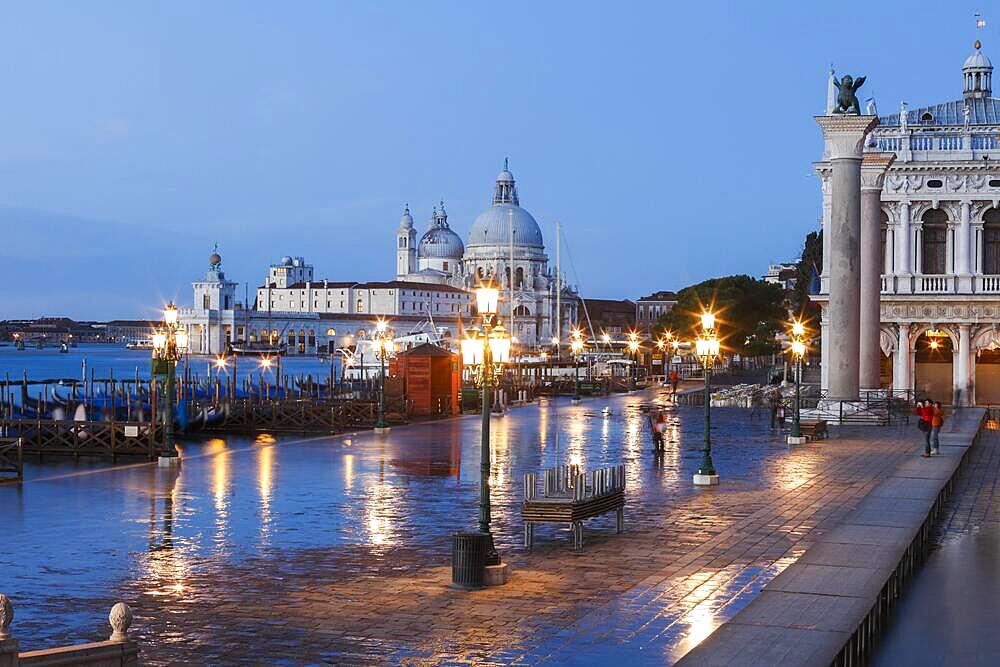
point(485, 352)
point(577, 347)
point(633, 346)
point(707, 346)
point(384, 346)
point(798, 350)
point(170, 342)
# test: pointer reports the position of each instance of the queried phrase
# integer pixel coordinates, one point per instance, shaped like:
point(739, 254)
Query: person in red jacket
point(925, 411)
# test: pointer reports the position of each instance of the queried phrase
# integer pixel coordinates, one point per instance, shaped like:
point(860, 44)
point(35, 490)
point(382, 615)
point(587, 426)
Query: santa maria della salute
point(435, 276)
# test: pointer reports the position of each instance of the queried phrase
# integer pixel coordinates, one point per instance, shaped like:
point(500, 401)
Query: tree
point(748, 313)
point(810, 265)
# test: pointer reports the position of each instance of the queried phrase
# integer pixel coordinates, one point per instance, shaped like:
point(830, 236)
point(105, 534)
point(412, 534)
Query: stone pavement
point(647, 596)
point(342, 572)
point(947, 615)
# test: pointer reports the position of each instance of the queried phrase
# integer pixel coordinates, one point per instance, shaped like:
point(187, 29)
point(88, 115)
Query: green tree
point(810, 264)
point(748, 313)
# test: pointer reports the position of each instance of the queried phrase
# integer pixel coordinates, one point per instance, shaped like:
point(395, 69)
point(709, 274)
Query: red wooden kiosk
point(432, 379)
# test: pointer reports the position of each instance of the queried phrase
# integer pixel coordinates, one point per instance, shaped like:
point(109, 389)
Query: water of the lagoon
point(78, 536)
point(108, 360)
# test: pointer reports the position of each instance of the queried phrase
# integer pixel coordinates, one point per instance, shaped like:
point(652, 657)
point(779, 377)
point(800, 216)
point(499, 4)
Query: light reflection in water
point(165, 566)
point(265, 463)
point(701, 623)
point(378, 507)
point(348, 473)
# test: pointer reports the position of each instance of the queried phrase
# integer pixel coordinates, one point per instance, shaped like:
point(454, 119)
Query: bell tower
point(406, 246)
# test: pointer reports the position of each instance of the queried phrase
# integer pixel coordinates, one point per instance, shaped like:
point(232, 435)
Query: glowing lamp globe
point(181, 338)
point(170, 314)
point(798, 329)
point(798, 348)
point(472, 351)
point(159, 340)
point(487, 299)
point(708, 321)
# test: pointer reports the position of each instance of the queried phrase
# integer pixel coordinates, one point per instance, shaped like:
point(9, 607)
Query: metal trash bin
point(468, 559)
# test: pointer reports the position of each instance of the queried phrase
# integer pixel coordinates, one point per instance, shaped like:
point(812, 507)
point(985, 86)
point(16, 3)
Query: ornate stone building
point(504, 244)
point(940, 236)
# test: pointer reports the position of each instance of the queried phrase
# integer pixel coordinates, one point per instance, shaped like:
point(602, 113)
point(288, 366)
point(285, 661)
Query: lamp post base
point(797, 440)
point(381, 430)
point(705, 480)
point(496, 575)
point(164, 461)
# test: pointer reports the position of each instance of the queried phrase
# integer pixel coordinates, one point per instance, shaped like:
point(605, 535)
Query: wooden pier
point(11, 460)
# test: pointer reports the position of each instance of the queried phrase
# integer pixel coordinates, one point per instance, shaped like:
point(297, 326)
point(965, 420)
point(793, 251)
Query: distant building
point(650, 308)
point(52, 330)
point(608, 316)
point(127, 331)
point(784, 275)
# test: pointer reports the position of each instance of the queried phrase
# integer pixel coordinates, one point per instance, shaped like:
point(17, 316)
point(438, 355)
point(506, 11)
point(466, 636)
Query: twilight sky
point(672, 140)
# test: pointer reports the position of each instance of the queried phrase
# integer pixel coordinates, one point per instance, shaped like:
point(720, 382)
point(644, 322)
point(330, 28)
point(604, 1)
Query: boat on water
point(258, 349)
point(139, 345)
point(63, 348)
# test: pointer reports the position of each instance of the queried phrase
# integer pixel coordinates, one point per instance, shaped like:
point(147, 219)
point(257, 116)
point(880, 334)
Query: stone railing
point(117, 650)
point(918, 145)
point(987, 284)
point(935, 284)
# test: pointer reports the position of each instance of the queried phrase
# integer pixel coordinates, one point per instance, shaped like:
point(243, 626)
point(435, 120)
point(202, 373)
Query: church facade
point(433, 288)
point(940, 230)
point(505, 245)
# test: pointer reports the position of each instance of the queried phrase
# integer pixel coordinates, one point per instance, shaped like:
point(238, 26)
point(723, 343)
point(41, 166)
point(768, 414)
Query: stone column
point(904, 258)
point(901, 375)
point(873, 169)
point(963, 268)
point(844, 136)
point(961, 381)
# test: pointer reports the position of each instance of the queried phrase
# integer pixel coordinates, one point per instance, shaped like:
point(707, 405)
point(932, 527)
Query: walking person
point(674, 380)
point(925, 411)
point(659, 428)
point(937, 421)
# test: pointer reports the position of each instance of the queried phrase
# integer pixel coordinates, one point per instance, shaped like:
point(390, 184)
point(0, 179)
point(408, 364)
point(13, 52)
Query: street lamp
point(798, 351)
point(707, 347)
point(633, 346)
point(170, 342)
point(576, 346)
point(485, 352)
point(384, 346)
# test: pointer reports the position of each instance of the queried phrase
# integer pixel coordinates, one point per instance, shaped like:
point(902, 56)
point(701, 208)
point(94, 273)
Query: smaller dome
point(286, 261)
point(505, 176)
point(440, 243)
point(214, 260)
point(977, 61)
point(406, 222)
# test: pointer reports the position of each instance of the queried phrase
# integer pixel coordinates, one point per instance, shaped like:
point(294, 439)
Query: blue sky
point(673, 141)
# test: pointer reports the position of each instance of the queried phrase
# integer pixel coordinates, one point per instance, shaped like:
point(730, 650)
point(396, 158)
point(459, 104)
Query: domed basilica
point(504, 244)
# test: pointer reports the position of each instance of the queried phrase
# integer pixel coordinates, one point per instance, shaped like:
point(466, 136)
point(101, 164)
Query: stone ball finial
point(6, 615)
point(120, 619)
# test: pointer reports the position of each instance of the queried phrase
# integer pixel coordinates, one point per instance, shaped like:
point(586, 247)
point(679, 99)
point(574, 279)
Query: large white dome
point(492, 227)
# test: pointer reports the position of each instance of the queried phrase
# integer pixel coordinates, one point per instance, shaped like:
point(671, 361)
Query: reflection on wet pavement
point(337, 548)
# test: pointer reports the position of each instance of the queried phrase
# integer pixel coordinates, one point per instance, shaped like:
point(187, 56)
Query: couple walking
point(931, 420)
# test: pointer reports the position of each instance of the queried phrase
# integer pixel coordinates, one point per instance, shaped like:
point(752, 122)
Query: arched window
point(935, 233)
point(522, 311)
point(506, 276)
point(991, 242)
point(360, 306)
point(519, 278)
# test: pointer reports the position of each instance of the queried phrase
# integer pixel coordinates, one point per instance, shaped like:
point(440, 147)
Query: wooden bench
point(814, 429)
point(569, 496)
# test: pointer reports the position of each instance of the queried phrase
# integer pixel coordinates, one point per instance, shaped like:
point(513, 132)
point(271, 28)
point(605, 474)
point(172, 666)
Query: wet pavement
point(947, 615)
point(336, 549)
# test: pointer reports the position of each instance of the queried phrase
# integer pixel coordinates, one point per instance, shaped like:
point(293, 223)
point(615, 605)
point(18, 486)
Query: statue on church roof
point(847, 100)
